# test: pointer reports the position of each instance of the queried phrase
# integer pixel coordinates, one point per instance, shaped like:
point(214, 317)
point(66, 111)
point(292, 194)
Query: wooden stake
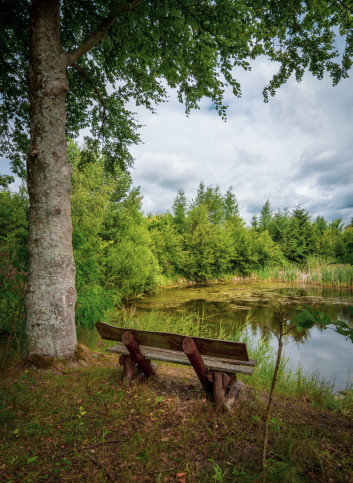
point(194, 356)
point(132, 346)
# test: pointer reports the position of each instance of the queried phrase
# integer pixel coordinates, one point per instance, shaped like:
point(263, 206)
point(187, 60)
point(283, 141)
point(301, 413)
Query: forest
point(121, 253)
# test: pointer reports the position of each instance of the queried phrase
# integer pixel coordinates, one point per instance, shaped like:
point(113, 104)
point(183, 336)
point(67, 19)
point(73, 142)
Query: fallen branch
point(164, 471)
point(98, 463)
point(83, 448)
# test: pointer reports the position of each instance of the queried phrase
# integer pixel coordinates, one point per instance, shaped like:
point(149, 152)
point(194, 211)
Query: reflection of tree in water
point(260, 304)
point(215, 313)
point(228, 315)
point(263, 317)
point(262, 329)
point(236, 314)
point(310, 291)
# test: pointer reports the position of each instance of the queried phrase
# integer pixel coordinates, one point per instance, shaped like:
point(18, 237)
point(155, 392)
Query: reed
point(315, 272)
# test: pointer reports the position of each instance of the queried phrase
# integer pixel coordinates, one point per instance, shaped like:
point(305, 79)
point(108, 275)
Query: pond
point(324, 353)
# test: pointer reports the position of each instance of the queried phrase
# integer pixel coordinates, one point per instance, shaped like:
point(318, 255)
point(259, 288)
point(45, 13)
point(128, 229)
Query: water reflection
point(252, 304)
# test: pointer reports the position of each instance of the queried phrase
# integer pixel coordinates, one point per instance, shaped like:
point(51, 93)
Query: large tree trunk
point(51, 294)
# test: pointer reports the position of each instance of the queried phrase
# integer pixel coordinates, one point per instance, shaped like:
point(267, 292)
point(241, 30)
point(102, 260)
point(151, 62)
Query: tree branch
point(268, 328)
point(99, 34)
point(195, 17)
point(13, 70)
point(98, 463)
point(99, 95)
point(345, 6)
point(87, 77)
point(84, 448)
point(302, 33)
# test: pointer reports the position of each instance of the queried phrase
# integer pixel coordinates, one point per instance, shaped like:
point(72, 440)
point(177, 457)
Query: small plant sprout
point(81, 413)
point(219, 474)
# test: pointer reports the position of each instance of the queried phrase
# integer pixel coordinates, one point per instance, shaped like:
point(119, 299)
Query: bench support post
point(219, 392)
point(132, 346)
point(128, 364)
point(194, 356)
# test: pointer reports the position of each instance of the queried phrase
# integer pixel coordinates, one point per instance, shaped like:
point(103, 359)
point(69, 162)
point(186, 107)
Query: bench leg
point(219, 392)
point(132, 346)
point(194, 356)
point(225, 389)
point(128, 364)
point(140, 376)
point(132, 373)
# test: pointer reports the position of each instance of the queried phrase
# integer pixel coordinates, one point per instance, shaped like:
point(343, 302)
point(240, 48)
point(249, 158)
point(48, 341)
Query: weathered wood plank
point(170, 341)
point(166, 353)
point(212, 363)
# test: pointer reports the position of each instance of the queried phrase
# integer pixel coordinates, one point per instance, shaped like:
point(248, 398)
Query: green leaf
point(32, 459)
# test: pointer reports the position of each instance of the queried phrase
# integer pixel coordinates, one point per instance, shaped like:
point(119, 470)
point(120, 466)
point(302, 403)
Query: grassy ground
point(79, 423)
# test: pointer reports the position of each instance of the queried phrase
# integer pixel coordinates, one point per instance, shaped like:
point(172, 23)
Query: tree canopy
point(134, 49)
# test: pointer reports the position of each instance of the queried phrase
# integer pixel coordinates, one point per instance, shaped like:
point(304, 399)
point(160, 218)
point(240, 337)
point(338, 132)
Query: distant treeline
point(120, 253)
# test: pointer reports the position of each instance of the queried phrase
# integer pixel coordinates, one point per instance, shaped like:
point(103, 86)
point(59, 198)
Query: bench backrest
point(166, 340)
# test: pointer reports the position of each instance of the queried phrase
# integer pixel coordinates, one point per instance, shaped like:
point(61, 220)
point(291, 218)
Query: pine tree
point(230, 205)
point(179, 210)
point(265, 217)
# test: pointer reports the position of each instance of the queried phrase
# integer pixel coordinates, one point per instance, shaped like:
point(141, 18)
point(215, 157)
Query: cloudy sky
point(297, 149)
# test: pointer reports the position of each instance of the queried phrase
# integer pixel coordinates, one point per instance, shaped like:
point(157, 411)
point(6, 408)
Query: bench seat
point(212, 363)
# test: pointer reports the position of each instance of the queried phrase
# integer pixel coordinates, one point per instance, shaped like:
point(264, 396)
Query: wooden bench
point(216, 362)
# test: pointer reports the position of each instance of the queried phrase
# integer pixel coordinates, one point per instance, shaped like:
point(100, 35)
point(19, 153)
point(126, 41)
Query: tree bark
point(51, 294)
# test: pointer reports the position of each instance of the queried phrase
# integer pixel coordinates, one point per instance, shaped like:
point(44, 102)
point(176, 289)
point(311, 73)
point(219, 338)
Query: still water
point(321, 352)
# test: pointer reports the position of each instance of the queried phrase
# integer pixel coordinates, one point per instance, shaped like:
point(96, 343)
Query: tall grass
point(315, 272)
point(193, 325)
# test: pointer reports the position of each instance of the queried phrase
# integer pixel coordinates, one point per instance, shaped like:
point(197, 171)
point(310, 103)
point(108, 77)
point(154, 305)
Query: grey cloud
point(345, 199)
point(253, 206)
point(327, 169)
point(160, 177)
